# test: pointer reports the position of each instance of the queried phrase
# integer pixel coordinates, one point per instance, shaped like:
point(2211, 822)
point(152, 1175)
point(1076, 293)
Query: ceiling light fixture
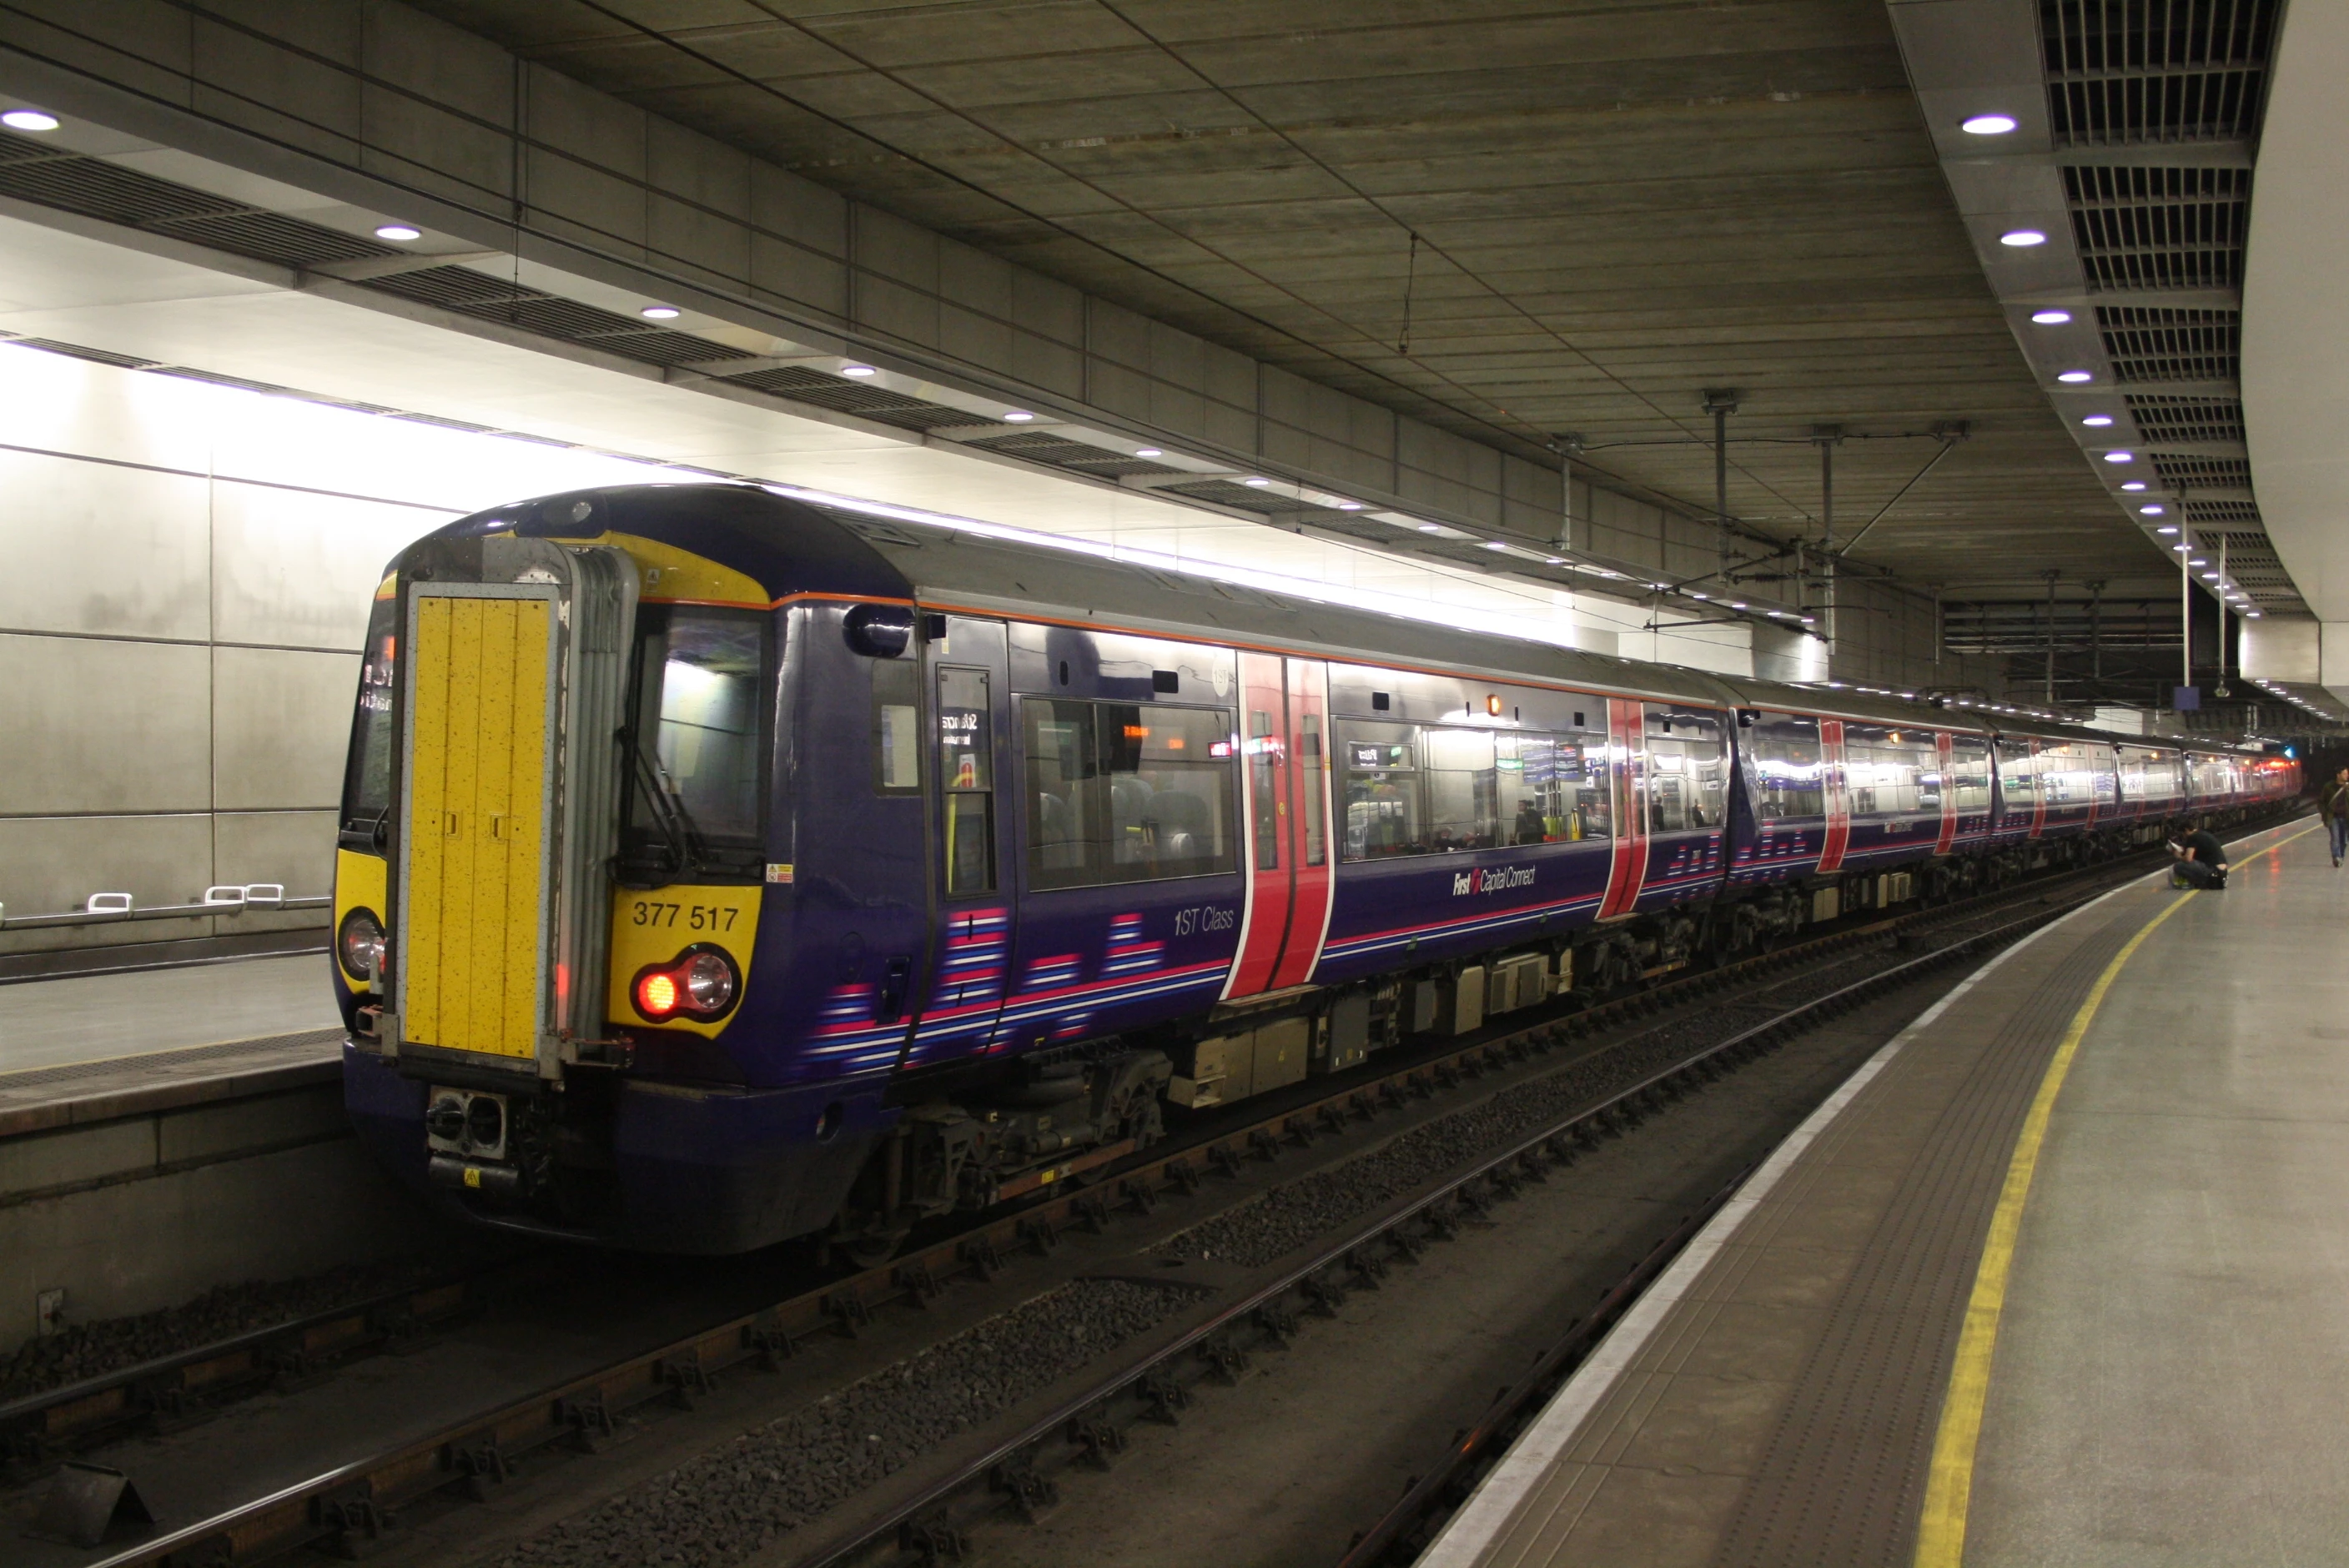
point(1737, 603)
point(1017, 416)
point(1987, 124)
point(2209, 577)
point(2153, 511)
point(2097, 421)
point(2167, 531)
point(401, 231)
point(2074, 377)
point(2134, 485)
point(28, 120)
point(2050, 317)
point(2021, 239)
point(1148, 452)
point(2120, 456)
point(1429, 528)
point(1350, 506)
point(660, 312)
point(2194, 560)
point(1251, 483)
point(858, 371)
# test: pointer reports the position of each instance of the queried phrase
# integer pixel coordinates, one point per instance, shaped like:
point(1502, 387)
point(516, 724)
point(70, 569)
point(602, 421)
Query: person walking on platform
point(2201, 861)
point(2333, 807)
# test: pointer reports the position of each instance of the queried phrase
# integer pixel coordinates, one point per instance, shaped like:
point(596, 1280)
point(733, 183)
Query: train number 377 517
point(686, 916)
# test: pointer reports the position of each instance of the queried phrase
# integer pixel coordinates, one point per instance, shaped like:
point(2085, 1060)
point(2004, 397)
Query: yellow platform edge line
point(1949, 1484)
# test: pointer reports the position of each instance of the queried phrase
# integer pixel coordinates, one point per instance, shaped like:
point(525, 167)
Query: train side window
point(1787, 769)
point(1263, 765)
point(1121, 792)
point(1463, 793)
point(1970, 772)
point(1687, 771)
point(2018, 775)
point(897, 726)
point(1317, 789)
point(1553, 789)
point(1381, 791)
point(967, 779)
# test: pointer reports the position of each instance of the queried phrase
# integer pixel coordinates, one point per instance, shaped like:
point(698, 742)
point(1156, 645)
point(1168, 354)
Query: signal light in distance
point(700, 984)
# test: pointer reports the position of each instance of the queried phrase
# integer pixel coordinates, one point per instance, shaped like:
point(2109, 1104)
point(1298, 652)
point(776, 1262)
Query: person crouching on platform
point(2333, 806)
point(2201, 861)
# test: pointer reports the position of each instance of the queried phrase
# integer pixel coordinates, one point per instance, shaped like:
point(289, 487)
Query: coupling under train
point(715, 869)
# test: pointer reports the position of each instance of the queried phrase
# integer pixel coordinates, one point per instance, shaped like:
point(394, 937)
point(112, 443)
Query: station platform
point(94, 1047)
point(2060, 1276)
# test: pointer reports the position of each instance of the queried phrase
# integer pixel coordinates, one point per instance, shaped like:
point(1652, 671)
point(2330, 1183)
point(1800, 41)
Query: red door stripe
point(1627, 869)
point(1264, 795)
point(1312, 829)
point(1946, 747)
point(1838, 799)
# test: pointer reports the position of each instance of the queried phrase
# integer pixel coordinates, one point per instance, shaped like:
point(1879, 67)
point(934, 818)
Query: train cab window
point(1970, 773)
point(1786, 768)
point(695, 800)
point(1381, 791)
point(366, 775)
point(1124, 792)
point(897, 726)
point(966, 780)
point(1687, 771)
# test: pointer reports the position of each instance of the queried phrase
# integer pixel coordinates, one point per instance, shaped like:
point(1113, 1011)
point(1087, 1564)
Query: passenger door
point(1284, 747)
point(972, 740)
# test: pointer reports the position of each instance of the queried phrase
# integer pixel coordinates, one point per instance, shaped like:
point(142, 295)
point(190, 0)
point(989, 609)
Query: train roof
point(792, 546)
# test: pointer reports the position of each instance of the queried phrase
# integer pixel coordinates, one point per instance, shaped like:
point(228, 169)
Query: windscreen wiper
point(669, 816)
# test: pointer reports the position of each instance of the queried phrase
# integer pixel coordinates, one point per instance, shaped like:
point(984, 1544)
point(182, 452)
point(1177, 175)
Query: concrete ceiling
point(1615, 207)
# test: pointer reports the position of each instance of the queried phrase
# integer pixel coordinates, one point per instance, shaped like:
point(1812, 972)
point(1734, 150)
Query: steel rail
point(1530, 1153)
point(347, 1507)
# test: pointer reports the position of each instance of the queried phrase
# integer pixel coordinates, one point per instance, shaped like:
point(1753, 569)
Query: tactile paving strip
point(1843, 1475)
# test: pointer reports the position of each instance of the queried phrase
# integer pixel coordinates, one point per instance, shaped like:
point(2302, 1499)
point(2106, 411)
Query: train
point(716, 868)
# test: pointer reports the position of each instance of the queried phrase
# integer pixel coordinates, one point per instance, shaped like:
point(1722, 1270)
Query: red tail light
point(701, 984)
point(657, 994)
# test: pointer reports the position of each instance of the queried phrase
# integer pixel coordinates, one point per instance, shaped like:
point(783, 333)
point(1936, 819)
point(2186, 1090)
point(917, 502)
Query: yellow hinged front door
point(472, 903)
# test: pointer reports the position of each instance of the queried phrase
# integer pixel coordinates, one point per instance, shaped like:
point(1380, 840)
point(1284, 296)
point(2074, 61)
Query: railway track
point(348, 1508)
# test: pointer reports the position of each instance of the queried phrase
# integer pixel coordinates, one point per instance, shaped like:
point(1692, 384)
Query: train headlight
point(358, 942)
point(700, 984)
point(708, 982)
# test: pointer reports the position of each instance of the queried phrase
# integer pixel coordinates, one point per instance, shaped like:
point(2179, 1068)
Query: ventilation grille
point(2221, 513)
point(1222, 492)
point(2146, 344)
point(2160, 228)
point(2156, 71)
point(805, 386)
point(2179, 471)
point(1044, 448)
point(2187, 418)
point(76, 351)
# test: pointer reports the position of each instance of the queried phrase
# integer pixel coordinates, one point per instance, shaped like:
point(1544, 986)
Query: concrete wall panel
point(301, 570)
point(890, 247)
point(798, 209)
point(799, 276)
point(590, 126)
point(281, 719)
point(97, 549)
point(50, 865)
point(295, 849)
point(108, 727)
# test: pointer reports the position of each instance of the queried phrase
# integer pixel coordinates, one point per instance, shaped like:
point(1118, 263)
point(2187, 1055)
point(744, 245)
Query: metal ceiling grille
point(825, 391)
point(2156, 71)
point(1042, 446)
point(2148, 343)
point(1222, 492)
point(2186, 418)
point(2160, 228)
point(2217, 473)
point(76, 351)
point(2214, 512)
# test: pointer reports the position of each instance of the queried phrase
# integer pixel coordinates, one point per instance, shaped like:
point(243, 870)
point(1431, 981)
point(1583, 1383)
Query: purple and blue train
point(716, 868)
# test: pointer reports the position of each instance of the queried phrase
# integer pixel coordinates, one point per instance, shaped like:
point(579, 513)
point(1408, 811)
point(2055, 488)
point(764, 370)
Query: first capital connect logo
point(1492, 879)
